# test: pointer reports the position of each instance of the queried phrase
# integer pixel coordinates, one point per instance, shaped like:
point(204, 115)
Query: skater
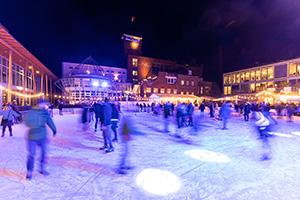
point(225, 114)
point(190, 112)
point(266, 113)
point(36, 119)
point(167, 109)
point(115, 119)
point(7, 119)
point(290, 112)
point(263, 127)
point(246, 112)
point(107, 112)
point(60, 108)
point(202, 108)
point(97, 109)
point(126, 131)
point(211, 109)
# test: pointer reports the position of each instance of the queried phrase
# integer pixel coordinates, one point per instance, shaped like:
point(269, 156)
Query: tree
point(215, 90)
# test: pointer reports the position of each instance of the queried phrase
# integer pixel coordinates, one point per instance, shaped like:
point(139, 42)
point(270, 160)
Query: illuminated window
point(270, 73)
point(187, 93)
point(237, 78)
point(134, 73)
point(175, 91)
point(181, 92)
point(134, 62)
point(155, 90)
point(192, 93)
point(162, 90)
point(201, 91)
point(182, 82)
point(252, 87)
point(270, 84)
point(169, 91)
point(226, 79)
point(187, 83)
point(252, 75)
point(225, 91)
point(257, 75)
point(242, 77)
point(192, 83)
point(190, 72)
point(264, 74)
point(247, 76)
point(233, 78)
point(148, 90)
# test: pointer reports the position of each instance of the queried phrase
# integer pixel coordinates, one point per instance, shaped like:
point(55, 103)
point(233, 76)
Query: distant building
point(23, 77)
point(275, 75)
point(151, 75)
point(87, 81)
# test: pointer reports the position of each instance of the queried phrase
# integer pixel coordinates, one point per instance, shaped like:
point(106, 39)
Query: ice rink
point(207, 163)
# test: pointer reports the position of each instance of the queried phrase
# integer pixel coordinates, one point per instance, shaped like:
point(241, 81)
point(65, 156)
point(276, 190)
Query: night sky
point(249, 32)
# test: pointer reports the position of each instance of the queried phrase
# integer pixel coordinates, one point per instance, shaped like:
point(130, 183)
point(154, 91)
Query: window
point(155, 90)
point(237, 78)
point(162, 90)
point(233, 78)
point(148, 90)
point(190, 72)
point(257, 75)
point(201, 91)
point(169, 91)
point(182, 82)
point(175, 91)
point(134, 62)
point(181, 92)
point(187, 83)
point(247, 76)
point(134, 73)
point(192, 93)
point(270, 73)
point(252, 75)
point(226, 79)
point(264, 74)
point(192, 83)
point(242, 77)
point(187, 93)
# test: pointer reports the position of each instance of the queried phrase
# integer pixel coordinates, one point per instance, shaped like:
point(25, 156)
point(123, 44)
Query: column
point(24, 83)
point(51, 94)
point(9, 75)
point(47, 86)
point(42, 82)
point(33, 100)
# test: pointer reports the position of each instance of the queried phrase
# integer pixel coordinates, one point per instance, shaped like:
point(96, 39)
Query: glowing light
point(37, 72)
point(207, 156)
point(59, 96)
point(95, 83)
point(88, 72)
point(104, 84)
point(280, 134)
point(55, 95)
point(20, 94)
point(159, 182)
point(30, 67)
point(116, 76)
point(134, 45)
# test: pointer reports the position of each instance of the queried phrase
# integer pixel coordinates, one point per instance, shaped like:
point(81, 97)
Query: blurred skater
point(107, 112)
point(225, 114)
point(7, 119)
point(114, 120)
point(36, 119)
point(263, 127)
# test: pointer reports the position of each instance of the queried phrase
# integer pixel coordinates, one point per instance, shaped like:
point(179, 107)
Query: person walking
point(107, 113)
point(36, 119)
point(263, 127)
point(290, 112)
point(7, 119)
point(167, 109)
point(60, 108)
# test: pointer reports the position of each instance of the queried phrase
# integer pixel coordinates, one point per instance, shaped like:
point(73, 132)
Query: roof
point(178, 96)
point(10, 42)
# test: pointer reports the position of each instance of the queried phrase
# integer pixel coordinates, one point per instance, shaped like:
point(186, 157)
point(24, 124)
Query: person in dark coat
point(60, 108)
point(266, 113)
point(107, 112)
point(7, 119)
point(190, 111)
point(225, 114)
point(290, 112)
point(202, 108)
point(167, 109)
point(115, 119)
point(36, 119)
point(211, 109)
point(97, 110)
point(246, 111)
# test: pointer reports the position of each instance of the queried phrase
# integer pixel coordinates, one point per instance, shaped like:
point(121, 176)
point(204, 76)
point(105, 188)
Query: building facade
point(276, 75)
point(87, 81)
point(23, 77)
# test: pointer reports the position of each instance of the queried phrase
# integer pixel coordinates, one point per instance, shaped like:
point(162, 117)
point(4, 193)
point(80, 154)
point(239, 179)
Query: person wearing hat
point(7, 119)
point(36, 119)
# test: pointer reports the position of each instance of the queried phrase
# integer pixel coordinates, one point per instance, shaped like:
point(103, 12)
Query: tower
point(132, 45)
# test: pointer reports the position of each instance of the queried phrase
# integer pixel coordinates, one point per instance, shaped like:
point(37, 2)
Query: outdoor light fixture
point(95, 83)
point(159, 182)
point(207, 156)
point(104, 84)
point(37, 72)
point(134, 45)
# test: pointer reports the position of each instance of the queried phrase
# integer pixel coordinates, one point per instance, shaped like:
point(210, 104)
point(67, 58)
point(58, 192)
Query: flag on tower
point(132, 18)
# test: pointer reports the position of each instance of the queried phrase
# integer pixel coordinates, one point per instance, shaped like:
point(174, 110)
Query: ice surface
point(78, 170)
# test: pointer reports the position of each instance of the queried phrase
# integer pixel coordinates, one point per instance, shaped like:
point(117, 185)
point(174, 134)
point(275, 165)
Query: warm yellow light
point(47, 94)
point(63, 96)
point(59, 96)
point(30, 67)
point(134, 45)
point(37, 72)
point(55, 95)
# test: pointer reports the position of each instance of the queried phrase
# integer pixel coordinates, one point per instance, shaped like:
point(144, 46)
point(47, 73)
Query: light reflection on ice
point(207, 156)
point(157, 181)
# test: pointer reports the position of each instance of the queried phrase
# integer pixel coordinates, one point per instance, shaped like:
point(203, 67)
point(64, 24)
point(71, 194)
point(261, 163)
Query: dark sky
point(249, 31)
